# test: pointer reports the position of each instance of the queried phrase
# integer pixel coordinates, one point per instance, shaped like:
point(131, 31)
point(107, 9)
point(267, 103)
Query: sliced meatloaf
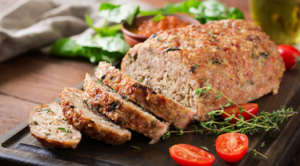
point(233, 56)
point(123, 111)
point(77, 108)
point(158, 104)
point(49, 126)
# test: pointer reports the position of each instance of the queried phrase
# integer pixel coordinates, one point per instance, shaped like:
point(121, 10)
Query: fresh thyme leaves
point(47, 110)
point(256, 152)
point(204, 148)
point(171, 49)
point(197, 131)
point(262, 144)
point(264, 121)
point(65, 130)
point(34, 123)
point(167, 135)
point(135, 147)
point(180, 131)
point(271, 136)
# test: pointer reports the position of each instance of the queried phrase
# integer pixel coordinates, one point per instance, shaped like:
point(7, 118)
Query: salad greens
point(203, 11)
point(108, 43)
point(118, 13)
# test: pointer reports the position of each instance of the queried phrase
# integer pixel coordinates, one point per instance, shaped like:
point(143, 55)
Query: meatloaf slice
point(161, 106)
point(123, 112)
point(233, 56)
point(77, 108)
point(49, 126)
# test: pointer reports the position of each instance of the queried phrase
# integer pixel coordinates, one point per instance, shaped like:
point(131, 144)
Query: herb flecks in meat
point(193, 68)
point(264, 54)
point(113, 106)
point(153, 36)
point(213, 38)
point(35, 123)
point(250, 38)
point(65, 130)
point(86, 104)
point(217, 61)
point(171, 49)
point(47, 110)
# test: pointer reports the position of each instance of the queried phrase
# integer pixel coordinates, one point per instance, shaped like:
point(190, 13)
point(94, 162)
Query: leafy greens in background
point(108, 43)
point(213, 10)
point(203, 11)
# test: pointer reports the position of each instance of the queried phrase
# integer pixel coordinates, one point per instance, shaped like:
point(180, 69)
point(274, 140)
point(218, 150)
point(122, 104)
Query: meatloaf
point(233, 56)
point(77, 108)
point(158, 104)
point(49, 126)
point(123, 111)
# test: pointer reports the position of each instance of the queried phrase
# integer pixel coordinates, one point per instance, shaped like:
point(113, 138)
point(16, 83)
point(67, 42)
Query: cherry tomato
point(290, 56)
point(189, 155)
point(250, 107)
point(232, 147)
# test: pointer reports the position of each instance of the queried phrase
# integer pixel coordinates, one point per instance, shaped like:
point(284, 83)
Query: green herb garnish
point(264, 121)
point(135, 147)
point(204, 148)
point(262, 144)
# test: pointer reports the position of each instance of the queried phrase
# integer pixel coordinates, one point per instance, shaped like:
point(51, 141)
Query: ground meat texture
point(77, 108)
point(123, 111)
point(49, 126)
point(163, 107)
point(233, 56)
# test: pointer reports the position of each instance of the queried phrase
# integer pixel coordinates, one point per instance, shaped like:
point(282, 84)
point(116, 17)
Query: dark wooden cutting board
point(19, 147)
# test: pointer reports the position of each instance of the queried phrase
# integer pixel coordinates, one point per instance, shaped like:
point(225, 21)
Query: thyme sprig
point(264, 121)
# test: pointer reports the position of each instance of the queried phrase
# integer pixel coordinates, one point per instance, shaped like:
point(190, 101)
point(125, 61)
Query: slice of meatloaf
point(77, 108)
point(49, 126)
point(233, 56)
point(158, 104)
point(123, 112)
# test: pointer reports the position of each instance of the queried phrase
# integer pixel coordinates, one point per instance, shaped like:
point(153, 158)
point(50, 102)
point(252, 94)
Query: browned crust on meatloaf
point(42, 137)
point(158, 104)
point(123, 112)
point(93, 124)
point(233, 56)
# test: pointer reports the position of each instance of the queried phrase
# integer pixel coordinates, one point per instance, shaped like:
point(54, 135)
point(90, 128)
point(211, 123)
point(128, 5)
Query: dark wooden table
point(35, 78)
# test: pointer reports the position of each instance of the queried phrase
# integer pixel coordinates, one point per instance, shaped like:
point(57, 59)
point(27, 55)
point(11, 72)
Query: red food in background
point(290, 56)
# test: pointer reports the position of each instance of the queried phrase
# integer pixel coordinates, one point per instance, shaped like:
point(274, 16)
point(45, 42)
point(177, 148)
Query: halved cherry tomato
point(250, 107)
point(189, 155)
point(290, 56)
point(232, 147)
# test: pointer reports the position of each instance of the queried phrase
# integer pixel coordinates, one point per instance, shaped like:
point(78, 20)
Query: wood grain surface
point(35, 78)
